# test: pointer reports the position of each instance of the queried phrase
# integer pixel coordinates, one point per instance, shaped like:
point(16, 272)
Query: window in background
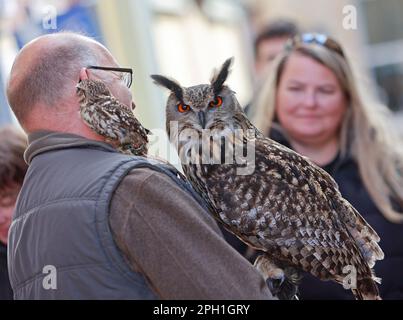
point(384, 26)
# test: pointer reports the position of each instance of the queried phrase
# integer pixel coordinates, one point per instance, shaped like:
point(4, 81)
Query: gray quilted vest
point(61, 224)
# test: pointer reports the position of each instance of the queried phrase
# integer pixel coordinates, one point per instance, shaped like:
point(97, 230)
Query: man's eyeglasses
point(126, 74)
point(317, 38)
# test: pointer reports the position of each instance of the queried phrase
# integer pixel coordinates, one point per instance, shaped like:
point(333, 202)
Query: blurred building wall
point(182, 39)
point(127, 26)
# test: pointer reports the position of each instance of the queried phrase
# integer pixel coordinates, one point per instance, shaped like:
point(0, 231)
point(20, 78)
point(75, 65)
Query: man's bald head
point(46, 71)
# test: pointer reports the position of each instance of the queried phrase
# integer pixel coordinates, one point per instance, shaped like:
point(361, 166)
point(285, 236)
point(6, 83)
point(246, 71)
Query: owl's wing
point(293, 210)
point(322, 185)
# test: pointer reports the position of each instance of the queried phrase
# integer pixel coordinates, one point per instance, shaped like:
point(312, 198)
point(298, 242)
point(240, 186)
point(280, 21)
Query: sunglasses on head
point(317, 38)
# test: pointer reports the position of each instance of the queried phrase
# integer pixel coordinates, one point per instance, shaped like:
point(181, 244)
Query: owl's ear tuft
point(170, 84)
point(219, 77)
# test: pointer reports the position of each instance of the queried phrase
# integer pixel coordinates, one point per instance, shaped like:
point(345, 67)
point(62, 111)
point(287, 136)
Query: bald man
point(91, 223)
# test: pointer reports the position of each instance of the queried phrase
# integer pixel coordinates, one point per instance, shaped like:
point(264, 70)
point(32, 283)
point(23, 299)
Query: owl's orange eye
point(217, 102)
point(183, 107)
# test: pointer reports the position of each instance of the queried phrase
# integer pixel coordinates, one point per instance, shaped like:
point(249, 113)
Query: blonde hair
point(373, 145)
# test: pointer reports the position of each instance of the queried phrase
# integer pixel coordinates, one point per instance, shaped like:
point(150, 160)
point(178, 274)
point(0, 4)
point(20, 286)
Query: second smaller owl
point(110, 118)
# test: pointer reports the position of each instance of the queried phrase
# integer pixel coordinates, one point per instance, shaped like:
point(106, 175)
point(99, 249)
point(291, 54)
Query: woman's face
point(310, 103)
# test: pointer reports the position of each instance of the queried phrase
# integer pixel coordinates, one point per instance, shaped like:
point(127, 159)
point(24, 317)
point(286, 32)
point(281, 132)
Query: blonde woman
point(311, 103)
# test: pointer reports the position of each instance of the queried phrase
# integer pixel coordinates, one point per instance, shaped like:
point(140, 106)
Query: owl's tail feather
point(367, 289)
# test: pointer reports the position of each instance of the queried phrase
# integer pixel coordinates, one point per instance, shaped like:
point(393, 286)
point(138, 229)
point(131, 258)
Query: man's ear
point(83, 74)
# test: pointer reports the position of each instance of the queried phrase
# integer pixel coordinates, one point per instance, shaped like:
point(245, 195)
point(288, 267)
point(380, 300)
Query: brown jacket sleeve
point(164, 234)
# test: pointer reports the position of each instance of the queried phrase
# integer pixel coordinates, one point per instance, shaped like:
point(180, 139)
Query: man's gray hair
point(46, 80)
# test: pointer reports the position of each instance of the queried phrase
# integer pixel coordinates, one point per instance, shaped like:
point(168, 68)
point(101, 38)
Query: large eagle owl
point(110, 118)
point(285, 206)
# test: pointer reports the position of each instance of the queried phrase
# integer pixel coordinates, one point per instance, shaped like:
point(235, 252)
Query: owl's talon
point(275, 285)
point(285, 287)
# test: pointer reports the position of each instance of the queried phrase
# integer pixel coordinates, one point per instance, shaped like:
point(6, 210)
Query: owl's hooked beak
point(202, 119)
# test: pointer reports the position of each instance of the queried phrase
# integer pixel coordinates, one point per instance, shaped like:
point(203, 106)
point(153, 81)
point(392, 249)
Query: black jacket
point(5, 288)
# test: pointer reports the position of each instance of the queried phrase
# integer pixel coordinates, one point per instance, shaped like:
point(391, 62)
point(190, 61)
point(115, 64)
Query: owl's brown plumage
point(287, 207)
point(104, 114)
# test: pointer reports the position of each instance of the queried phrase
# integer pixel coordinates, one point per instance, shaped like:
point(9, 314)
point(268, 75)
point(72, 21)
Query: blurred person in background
point(12, 172)
point(311, 103)
point(270, 42)
point(108, 225)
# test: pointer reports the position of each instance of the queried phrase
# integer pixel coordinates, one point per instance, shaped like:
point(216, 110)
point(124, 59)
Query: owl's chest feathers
point(266, 188)
point(214, 147)
point(222, 187)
